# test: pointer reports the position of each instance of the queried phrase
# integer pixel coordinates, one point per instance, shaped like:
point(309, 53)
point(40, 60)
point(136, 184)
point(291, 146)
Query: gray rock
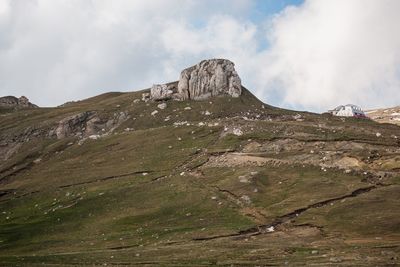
point(72, 124)
point(162, 105)
point(214, 77)
point(160, 92)
point(209, 78)
point(13, 102)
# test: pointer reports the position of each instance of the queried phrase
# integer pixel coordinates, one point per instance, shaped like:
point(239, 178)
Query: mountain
point(196, 172)
point(385, 115)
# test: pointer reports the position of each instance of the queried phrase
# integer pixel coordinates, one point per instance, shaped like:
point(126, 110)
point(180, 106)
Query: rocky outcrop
point(160, 92)
point(209, 78)
point(72, 125)
point(215, 77)
point(86, 124)
point(13, 102)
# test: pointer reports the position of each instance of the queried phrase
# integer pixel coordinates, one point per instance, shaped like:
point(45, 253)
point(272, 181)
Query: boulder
point(214, 77)
point(160, 92)
point(209, 78)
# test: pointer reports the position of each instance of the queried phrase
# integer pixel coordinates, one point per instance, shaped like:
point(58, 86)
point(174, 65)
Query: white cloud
point(326, 53)
point(55, 51)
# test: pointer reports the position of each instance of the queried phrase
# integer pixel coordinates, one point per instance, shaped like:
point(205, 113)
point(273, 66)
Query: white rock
point(246, 199)
point(271, 229)
point(154, 112)
point(243, 179)
point(94, 136)
point(378, 134)
point(160, 92)
point(187, 108)
point(237, 132)
point(209, 78)
point(162, 105)
point(207, 113)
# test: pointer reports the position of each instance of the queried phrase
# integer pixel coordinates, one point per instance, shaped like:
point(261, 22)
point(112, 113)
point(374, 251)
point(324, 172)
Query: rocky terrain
point(196, 172)
point(13, 102)
point(385, 115)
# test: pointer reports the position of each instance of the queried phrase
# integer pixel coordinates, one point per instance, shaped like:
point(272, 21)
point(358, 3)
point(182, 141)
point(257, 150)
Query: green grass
point(130, 198)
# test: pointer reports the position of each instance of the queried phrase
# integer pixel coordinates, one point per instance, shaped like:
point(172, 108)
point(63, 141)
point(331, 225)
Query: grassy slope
point(130, 197)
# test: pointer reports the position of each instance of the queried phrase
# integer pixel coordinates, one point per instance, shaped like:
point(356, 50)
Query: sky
point(305, 55)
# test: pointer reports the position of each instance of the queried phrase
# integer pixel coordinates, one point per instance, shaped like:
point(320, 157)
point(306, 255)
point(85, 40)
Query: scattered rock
point(378, 134)
point(246, 199)
point(94, 136)
point(270, 229)
point(244, 179)
point(162, 105)
point(237, 132)
point(154, 112)
point(145, 97)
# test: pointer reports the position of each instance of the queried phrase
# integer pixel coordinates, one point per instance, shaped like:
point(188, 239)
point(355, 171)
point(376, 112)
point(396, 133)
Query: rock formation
point(213, 77)
point(13, 102)
point(160, 92)
point(209, 78)
point(87, 123)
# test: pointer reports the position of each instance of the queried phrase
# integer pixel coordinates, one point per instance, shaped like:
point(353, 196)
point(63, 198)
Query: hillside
point(220, 181)
point(385, 115)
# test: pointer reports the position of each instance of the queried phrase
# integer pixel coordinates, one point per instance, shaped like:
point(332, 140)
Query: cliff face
point(13, 102)
point(209, 78)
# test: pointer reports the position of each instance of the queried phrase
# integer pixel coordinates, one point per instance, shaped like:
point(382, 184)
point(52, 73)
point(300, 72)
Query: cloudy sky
point(308, 55)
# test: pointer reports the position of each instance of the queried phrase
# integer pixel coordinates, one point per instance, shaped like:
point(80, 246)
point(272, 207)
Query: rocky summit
point(209, 78)
point(196, 172)
point(13, 102)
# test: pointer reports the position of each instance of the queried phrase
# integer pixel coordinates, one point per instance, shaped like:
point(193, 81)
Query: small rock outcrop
point(13, 102)
point(86, 124)
point(209, 78)
point(161, 92)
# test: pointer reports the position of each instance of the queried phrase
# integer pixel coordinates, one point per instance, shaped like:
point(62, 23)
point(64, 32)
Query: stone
point(145, 97)
point(72, 124)
point(237, 132)
point(162, 105)
point(154, 112)
point(214, 77)
point(270, 229)
point(160, 92)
